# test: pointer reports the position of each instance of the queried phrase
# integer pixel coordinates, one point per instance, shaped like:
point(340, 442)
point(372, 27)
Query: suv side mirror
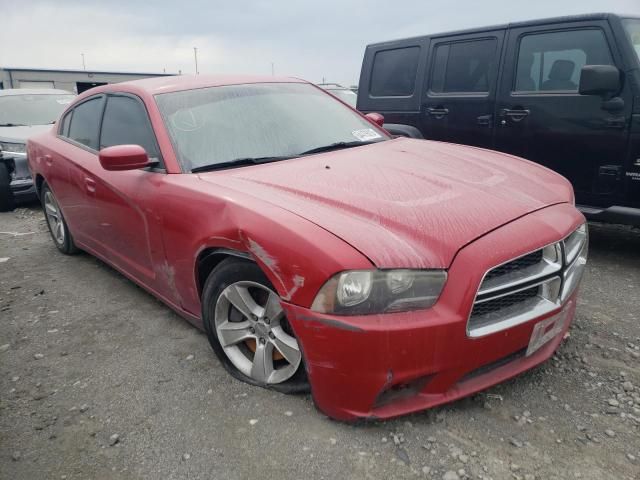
point(123, 157)
point(603, 80)
point(376, 118)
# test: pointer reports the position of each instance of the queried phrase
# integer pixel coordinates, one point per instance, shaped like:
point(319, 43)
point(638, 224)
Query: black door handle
point(515, 114)
point(438, 112)
point(485, 119)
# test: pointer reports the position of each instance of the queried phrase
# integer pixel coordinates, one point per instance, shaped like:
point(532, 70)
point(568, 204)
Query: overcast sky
point(312, 40)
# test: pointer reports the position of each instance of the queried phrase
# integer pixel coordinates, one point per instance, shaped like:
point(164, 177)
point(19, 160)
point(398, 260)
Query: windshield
point(347, 96)
point(222, 124)
point(30, 109)
point(632, 26)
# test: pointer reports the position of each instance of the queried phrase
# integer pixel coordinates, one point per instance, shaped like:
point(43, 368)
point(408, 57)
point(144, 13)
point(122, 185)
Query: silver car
point(24, 112)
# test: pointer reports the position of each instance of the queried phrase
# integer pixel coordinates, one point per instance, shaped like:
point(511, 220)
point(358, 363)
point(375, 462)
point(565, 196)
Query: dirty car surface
point(386, 275)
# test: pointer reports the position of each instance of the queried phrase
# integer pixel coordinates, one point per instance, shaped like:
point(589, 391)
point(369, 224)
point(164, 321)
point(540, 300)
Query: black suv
point(563, 92)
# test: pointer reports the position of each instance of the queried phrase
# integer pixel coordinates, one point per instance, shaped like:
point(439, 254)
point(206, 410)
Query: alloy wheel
point(54, 218)
point(254, 333)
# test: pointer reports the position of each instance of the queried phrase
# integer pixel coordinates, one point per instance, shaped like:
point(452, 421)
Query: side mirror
point(603, 80)
point(124, 157)
point(376, 118)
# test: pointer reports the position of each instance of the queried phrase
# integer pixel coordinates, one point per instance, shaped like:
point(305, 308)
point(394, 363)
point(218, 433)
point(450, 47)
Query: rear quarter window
point(394, 72)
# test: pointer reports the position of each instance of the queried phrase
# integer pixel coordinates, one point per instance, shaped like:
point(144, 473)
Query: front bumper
point(23, 189)
point(22, 185)
point(381, 366)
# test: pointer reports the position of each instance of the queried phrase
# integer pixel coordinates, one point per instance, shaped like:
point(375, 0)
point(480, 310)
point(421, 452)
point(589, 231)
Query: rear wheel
point(248, 329)
point(6, 195)
point(55, 221)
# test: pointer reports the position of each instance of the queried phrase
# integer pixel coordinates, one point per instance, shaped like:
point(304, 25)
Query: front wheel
point(248, 329)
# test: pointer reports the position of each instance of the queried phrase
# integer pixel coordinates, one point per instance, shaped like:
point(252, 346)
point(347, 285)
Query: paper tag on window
point(366, 134)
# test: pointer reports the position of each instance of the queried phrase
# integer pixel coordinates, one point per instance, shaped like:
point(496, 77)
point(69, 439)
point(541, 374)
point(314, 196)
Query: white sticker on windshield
point(366, 134)
point(63, 101)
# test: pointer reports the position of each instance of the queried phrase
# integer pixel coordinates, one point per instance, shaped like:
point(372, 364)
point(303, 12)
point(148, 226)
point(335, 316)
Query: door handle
point(485, 120)
point(90, 183)
point(515, 114)
point(438, 112)
point(48, 159)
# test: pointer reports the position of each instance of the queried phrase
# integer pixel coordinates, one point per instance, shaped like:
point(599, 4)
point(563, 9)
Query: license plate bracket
point(546, 330)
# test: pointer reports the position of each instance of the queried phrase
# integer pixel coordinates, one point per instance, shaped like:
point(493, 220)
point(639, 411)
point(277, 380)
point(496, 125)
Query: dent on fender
point(288, 287)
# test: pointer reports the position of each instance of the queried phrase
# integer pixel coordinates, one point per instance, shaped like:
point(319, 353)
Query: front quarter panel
point(296, 255)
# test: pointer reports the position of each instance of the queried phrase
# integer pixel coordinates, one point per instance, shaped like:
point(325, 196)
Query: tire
point(58, 228)
point(257, 348)
point(7, 203)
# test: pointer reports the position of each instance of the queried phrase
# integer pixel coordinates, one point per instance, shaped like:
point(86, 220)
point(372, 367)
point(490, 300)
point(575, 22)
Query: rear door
point(460, 91)
point(542, 117)
point(80, 132)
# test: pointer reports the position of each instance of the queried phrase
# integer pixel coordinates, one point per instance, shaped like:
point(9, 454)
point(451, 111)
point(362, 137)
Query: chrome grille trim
point(517, 277)
point(522, 288)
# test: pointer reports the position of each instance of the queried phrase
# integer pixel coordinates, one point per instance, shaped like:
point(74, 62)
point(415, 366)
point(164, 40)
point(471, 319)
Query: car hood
point(21, 134)
point(403, 203)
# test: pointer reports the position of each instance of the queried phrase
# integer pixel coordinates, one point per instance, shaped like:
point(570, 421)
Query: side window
point(464, 67)
point(85, 123)
point(126, 122)
point(394, 72)
point(549, 62)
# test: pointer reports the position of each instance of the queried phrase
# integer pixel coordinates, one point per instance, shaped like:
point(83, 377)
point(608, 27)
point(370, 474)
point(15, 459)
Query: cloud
point(312, 40)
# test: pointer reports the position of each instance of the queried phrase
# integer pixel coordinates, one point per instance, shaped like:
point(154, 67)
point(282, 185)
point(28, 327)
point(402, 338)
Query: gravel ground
point(98, 380)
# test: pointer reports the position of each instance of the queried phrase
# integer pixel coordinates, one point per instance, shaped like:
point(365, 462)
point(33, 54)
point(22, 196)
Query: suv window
point(126, 122)
point(394, 72)
point(552, 61)
point(463, 67)
point(85, 123)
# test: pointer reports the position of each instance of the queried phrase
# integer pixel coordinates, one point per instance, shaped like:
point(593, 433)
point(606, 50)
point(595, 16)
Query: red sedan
point(386, 275)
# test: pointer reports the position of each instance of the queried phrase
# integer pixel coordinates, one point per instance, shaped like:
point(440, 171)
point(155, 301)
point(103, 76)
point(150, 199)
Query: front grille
point(528, 286)
point(499, 303)
point(514, 265)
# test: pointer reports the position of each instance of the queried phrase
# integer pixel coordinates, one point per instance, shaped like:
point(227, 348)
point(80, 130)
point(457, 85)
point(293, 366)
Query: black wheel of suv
point(248, 330)
point(6, 195)
point(55, 221)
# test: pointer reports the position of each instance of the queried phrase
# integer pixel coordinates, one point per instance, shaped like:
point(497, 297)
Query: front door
point(126, 222)
point(460, 88)
point(541, 116)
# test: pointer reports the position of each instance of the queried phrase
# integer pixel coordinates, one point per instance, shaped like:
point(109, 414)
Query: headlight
point(16, 148)
point(365, 292)
point(576, 247)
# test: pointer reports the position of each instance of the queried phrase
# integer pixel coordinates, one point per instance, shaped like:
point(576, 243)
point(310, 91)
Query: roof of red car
point(174, 83)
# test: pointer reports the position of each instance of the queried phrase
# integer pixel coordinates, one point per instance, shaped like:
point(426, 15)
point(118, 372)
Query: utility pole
point(84, 67)
point(195, 55)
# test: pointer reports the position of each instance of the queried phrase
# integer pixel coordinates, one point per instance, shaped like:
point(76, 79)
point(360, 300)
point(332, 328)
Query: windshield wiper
point(13, 125)
point(237, 163)
point(335, 146)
